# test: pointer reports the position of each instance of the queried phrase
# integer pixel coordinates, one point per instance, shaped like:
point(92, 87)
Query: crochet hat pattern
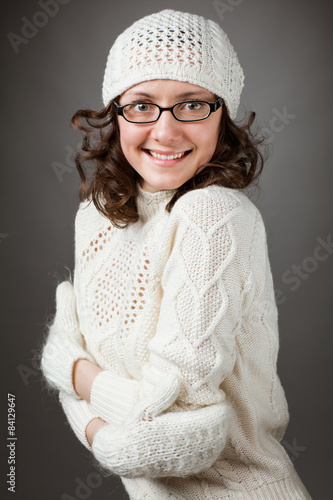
point(177, 46)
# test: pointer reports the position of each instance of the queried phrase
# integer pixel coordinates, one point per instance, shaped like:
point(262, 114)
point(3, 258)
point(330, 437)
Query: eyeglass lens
point(187, 111)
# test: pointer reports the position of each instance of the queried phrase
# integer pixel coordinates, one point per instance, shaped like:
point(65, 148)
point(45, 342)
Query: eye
point(193, 106)
point(141, 107)
point(140, 112)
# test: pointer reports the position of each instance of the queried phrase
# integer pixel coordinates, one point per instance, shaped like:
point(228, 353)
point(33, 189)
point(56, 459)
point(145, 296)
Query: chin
point(153, 187)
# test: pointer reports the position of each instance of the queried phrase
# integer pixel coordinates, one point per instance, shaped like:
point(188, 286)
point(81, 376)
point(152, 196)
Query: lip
point(166, 163)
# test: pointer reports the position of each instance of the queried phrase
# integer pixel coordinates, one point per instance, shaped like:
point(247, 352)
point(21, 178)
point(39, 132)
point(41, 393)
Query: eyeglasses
point(185, 111)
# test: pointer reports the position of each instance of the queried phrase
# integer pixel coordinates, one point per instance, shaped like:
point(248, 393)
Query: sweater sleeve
point(180, 426)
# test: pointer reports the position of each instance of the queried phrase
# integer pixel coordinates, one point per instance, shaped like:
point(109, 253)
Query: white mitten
point(79, 414)
point(151, 443)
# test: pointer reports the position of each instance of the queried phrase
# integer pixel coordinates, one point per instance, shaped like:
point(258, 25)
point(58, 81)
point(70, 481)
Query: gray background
point(284, 48)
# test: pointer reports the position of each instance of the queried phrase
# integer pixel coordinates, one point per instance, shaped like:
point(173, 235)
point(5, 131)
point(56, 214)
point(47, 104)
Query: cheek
point(131, 136)
point(208, 142)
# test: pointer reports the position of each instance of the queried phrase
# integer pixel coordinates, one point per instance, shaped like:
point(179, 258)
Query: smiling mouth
point(167, 157)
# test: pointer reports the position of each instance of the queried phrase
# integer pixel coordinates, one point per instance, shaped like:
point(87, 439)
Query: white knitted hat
point(178, 46)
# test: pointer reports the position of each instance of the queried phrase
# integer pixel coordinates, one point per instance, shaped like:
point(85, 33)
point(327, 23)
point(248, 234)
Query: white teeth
point(166, 157)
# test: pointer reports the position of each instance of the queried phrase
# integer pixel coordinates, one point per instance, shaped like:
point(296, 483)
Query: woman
point(165, 350)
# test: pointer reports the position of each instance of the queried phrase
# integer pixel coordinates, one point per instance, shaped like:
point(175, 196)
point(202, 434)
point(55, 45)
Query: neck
point(149, 204)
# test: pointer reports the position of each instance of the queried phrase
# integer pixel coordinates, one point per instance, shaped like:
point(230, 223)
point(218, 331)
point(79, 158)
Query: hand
point(93, 426)
point(84, 373)
point(163, 446)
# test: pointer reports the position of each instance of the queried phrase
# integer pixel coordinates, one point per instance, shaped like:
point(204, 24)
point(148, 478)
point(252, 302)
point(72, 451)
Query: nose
point(167, 130)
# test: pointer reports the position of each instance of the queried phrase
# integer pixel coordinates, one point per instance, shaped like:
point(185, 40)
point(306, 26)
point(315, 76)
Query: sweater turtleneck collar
point(148, 204)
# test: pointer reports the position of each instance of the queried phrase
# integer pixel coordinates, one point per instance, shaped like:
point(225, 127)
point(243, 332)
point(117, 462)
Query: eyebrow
point(183, 95)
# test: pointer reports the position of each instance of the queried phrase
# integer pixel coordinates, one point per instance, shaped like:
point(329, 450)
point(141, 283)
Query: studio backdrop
point(53, 59)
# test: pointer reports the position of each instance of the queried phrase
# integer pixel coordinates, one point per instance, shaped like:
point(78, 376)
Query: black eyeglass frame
point(213, 106)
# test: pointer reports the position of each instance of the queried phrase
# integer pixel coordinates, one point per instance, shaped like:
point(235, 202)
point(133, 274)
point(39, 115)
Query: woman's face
point(168, 136)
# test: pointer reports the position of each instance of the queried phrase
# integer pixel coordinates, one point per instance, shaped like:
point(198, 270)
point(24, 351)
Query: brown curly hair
point(111, 182)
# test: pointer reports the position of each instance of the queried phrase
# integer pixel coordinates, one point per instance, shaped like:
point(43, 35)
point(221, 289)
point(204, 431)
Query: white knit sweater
point(179, 311)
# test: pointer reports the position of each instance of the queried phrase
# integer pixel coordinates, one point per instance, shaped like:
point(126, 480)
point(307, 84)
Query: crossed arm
point(146, 428)
point(138, 434)
point(72, 371)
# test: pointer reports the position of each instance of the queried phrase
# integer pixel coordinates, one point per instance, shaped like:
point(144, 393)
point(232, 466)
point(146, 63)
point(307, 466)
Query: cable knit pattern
point(178, 46)
point(183, 305)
